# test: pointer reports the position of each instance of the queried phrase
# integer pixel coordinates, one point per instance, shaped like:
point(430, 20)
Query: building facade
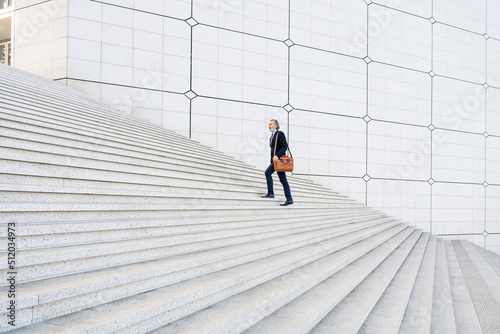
point(393, 103)
point(6, 32)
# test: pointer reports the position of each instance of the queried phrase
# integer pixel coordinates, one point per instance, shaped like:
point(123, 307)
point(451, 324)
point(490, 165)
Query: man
point(281, 147)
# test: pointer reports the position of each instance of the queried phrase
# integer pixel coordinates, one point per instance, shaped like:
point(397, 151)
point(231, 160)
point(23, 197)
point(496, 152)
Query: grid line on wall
point(370, 61)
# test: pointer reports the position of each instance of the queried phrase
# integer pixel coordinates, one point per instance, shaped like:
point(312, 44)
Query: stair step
point(29, 196)
point(418, 316)
point(93, 213)
point(482, 283)
point(493, 259)
point(483, 268)
point(352, 311)
point(55, 93)
point(179, 154)
point(149, 310)
point(49, 183)
point(108, 127)
point(60, 235)
point(33, 163)
point(149, 148)
point(395, 298)
point(77, 190)
point(243, 310)
point(34, 137)
point(202, 222)
point(85, 109)
point(38, 135)
point(443, 315)
point(126, 160)
point(45, 263)
point(116, 156)
point(134, 207)
point(331, 294)
point(45, 297)
point(465, 314)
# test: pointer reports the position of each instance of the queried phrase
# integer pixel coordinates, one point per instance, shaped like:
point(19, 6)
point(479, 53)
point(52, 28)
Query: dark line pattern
point(370, 8)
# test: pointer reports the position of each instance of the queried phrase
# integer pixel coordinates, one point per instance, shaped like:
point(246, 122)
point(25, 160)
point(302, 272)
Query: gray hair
point(276, 123)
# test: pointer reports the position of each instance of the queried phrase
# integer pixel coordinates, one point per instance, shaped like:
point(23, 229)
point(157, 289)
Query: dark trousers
point(283, 180)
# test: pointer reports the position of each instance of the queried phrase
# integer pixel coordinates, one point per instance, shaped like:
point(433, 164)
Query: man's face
point(272, 126)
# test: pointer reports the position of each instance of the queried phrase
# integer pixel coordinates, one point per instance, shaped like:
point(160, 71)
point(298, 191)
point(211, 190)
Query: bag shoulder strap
point(275, 142)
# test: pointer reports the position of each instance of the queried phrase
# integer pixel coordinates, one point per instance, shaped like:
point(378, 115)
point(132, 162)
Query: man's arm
point(283, 144)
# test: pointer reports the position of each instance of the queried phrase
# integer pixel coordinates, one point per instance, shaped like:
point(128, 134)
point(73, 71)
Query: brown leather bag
point(284, 163)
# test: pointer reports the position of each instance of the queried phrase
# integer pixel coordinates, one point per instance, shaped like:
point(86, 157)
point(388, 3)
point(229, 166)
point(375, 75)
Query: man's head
point(273, 125)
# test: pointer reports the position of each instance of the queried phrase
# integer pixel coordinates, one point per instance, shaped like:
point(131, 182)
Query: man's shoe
point(286, 203)
point(268, 196)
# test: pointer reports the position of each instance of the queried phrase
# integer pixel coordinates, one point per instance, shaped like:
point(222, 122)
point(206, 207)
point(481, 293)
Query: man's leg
point(269, 172)
point(286, 187)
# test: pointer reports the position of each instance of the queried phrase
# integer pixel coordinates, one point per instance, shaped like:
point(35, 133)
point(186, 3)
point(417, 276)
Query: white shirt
point(272, 136)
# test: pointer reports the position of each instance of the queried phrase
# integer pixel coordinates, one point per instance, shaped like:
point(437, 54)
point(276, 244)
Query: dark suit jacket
point(281, 146)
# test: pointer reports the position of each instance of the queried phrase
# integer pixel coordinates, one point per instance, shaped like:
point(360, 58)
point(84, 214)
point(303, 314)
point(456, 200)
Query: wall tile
point(176, 53)
point(84, 69)
point(399, 95)
point(493, 160)
point(492, 114)
point(121, 16)
point(123, 3)
point(148, 41)
point(355, 188)
point(409, 201)
point(458, 105)
point(327, 82)
point(492, 211)
point(458, 157)
point(492, 243)
point(462, 14)
point(397, 151)
point(59, 68)
point(149, 6)
point(459, 54)
point(252, 17)
point(92, 49)
point(116, 74)
point(176, 8)
point(148, 60)
point(493, 24)
point(399, 39)
point(338, 26)
point(493, 63)
point(418, 7)
point(457, 208)
point(239, 77)
point(147, 22)
point(85, 9)
point(116, 35)
point(84, 29)
point(118, 55)
point(60, 28)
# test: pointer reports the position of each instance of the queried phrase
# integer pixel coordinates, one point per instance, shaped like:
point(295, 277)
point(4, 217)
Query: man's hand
point(275, 158)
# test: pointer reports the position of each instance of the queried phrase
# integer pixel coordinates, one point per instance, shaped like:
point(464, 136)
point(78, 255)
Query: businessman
point(281, 147)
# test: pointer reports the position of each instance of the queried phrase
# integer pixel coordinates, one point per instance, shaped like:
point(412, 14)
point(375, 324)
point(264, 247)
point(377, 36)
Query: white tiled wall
point(399, 38)
point(40, 39)
point(395, 103)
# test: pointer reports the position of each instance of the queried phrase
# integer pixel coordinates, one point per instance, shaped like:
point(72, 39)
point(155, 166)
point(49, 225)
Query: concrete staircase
point(125, 227)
